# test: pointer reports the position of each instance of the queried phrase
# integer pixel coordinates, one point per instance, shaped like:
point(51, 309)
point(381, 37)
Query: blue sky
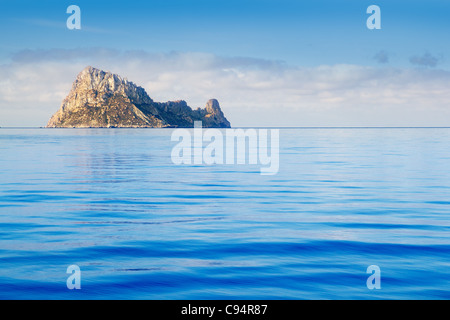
point(300, 34)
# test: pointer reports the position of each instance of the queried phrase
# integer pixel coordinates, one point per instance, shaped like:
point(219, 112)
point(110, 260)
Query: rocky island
point(100, 99)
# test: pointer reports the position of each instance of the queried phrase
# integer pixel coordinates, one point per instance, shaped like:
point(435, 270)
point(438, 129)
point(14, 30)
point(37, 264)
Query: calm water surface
point(140, 227)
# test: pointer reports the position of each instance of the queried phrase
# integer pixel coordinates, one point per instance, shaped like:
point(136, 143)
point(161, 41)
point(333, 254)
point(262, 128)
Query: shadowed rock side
point(100, 99)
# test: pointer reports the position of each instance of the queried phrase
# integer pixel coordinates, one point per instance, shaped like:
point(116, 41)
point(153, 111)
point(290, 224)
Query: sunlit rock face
point(100, 99)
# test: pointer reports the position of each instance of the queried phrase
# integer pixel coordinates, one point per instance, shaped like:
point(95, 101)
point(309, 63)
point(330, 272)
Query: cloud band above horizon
point(252, 92)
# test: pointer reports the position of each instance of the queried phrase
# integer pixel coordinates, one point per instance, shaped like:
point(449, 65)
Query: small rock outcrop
point(100, 99)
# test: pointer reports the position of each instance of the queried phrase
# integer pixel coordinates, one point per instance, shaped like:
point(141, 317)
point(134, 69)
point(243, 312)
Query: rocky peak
point(214, 115)
point(108, 83)
point(103, 99)
point(212, 106)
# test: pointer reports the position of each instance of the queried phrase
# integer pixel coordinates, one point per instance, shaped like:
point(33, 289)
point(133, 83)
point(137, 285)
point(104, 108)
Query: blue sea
point(139, 227)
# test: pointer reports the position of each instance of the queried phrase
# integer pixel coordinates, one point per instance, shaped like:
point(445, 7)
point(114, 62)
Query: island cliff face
point(100, 99)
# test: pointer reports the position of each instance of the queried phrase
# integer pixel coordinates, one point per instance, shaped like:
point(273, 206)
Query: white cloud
point(426, 60)
point(252, 92)
point(381, 57)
